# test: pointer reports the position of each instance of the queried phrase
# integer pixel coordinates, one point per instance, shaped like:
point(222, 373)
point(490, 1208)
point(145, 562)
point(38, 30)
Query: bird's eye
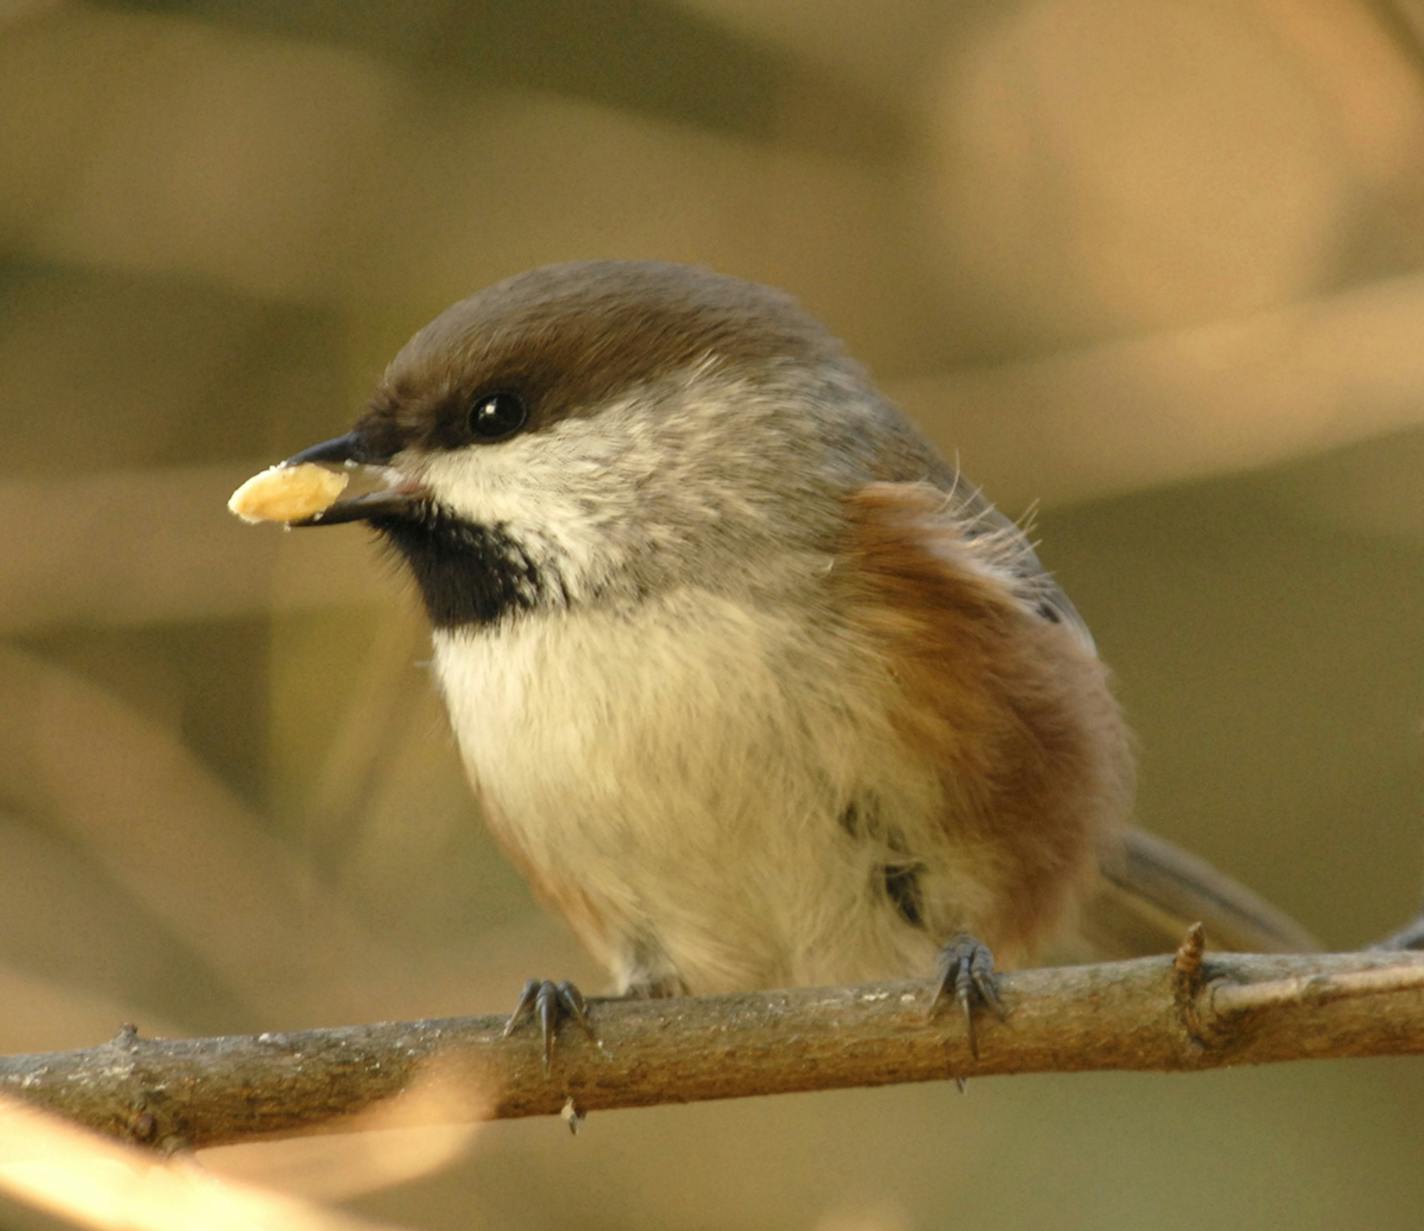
point(493, 416)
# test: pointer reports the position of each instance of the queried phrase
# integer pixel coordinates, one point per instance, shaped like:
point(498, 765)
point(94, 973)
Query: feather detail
point(1013, 710)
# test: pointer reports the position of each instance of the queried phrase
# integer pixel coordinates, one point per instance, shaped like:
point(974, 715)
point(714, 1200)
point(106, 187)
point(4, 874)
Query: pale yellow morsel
point(287, 493)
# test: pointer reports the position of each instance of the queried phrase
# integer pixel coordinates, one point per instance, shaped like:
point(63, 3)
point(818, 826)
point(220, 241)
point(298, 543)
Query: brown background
point(1154, 265)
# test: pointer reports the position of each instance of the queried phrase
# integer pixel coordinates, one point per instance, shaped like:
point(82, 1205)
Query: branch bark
point(1185, 1013)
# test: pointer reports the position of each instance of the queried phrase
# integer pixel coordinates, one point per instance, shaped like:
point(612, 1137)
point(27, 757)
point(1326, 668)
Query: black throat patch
point(467, 573)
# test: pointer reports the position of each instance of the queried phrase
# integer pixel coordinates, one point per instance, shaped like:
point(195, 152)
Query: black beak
point(385, 502)
point(343, 449)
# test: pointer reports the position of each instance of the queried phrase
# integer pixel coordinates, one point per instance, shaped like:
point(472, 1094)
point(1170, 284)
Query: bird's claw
point(548, 1001)
point(966, 968)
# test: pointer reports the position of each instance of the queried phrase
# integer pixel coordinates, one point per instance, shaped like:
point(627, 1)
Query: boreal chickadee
point(753, 686)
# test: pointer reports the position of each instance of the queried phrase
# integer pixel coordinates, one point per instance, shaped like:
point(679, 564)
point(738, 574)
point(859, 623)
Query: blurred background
point(1158, 267)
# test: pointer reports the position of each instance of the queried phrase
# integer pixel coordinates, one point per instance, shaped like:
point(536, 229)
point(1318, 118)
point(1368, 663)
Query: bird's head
point(599, 431)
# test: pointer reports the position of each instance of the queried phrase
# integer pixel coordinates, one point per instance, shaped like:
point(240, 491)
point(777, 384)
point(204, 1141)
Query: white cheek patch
point(542, 488)
point(586, 493)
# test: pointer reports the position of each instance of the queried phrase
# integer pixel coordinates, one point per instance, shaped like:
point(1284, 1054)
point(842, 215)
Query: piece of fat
point(287, 493)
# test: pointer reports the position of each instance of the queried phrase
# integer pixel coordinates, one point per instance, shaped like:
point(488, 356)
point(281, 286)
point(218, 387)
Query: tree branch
point(1184, 1013)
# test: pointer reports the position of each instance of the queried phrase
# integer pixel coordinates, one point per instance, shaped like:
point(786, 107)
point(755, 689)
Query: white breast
point(684, 765)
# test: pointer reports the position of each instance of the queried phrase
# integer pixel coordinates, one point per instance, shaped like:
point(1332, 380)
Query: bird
point(754, 687)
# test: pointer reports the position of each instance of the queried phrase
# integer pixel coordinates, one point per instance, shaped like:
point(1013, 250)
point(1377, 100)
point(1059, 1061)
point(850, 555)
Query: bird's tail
point(1153, 891)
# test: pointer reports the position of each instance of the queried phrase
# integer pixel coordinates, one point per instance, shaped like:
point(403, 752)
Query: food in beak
point(288, 493)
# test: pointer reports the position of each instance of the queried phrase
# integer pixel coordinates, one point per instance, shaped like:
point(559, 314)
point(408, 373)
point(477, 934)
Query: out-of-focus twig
point(1192, 1012)
point(89, 1182)
point(1219, 398)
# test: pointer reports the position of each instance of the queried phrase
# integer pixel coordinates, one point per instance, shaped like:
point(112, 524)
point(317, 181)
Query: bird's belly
point(677, 781)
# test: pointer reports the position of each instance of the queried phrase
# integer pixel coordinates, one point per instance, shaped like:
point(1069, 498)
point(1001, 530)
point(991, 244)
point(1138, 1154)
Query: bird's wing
point(1151, 891)
point(1011, 708)
point(978, 579)
point(1007, 543)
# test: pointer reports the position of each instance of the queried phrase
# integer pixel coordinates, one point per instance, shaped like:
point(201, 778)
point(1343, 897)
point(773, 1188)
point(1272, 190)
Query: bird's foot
point(547, 1002)
point(966, 970)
